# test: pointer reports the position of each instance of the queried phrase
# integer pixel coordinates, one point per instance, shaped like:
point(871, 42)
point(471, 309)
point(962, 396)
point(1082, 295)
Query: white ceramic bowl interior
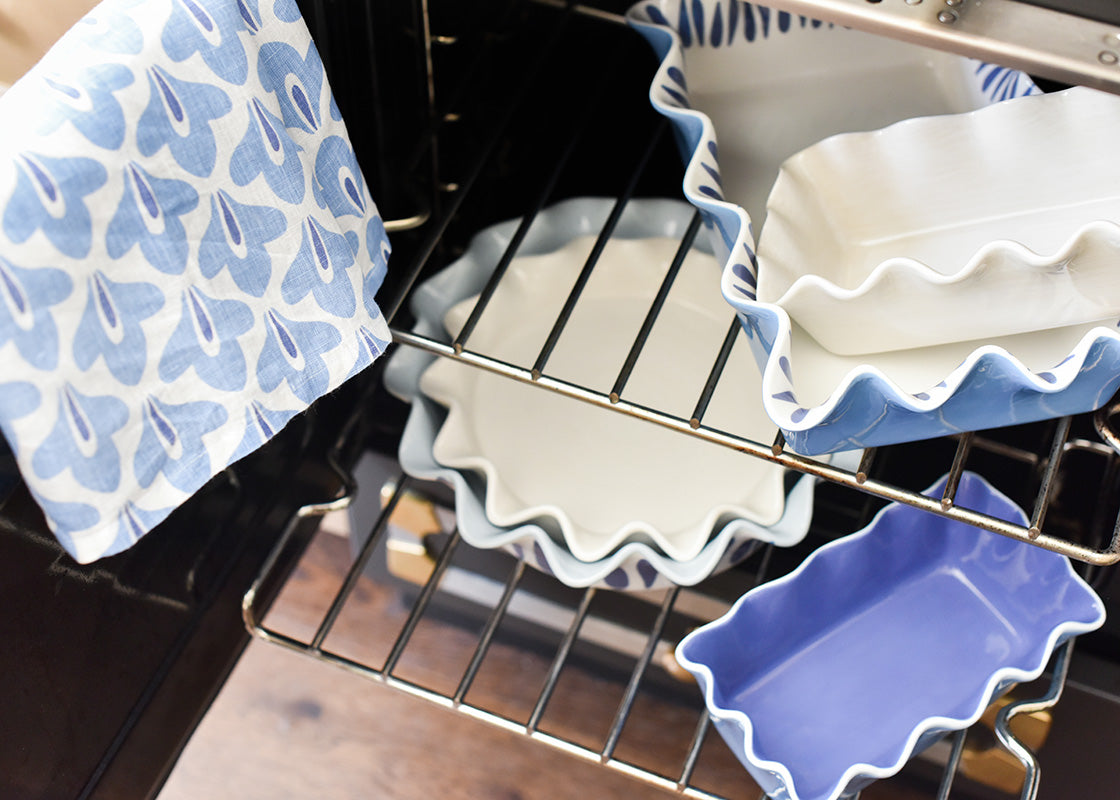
point(773, 95)
point(891, 240)
point(605, 477)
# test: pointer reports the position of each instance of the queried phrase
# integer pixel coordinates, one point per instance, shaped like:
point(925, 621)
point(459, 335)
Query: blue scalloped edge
point(867, 409)
point(775, 777)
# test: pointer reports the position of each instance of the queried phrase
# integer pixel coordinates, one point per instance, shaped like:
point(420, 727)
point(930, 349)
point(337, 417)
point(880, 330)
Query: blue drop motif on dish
point(81, 440)
point(1002, 83)
point(26, 296)
point(338, 179)
point(679, 90)
point(206, 340)
point(297, 83)
point(321, 267)
point(267, 149)
point(542, 561)
point(110, 326)
point(261, 424)
point(647, 572)
point(148, 215)
point(111, 31)
point(171, 442)
point(617, 579)
point(87, 102)
point(178, 116)
point(209, 29)
point(293, 352)
point(49, 197)
point(235, 240)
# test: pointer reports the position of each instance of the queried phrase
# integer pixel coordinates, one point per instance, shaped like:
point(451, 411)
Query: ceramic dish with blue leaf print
point(765, 84)
point(635, 564)
point(826, 403)
point(811, 679)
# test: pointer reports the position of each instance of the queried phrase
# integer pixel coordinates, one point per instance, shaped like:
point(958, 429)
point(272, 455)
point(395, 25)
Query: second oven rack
point(258, 601)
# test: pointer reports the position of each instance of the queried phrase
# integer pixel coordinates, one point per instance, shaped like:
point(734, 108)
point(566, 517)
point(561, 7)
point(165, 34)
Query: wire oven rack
point(1042, 453)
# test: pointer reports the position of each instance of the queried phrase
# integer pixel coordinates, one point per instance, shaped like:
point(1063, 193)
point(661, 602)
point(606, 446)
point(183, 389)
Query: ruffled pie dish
point(635, 564)
point(605, 478)
point(888, 240)
point(958, 611)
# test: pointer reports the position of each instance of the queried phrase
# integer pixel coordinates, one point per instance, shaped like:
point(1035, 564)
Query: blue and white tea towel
point(188, 256)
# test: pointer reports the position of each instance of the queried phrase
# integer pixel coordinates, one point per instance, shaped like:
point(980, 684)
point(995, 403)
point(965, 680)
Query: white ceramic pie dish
point(891, 240)
point(604, 477)
point(636, 565)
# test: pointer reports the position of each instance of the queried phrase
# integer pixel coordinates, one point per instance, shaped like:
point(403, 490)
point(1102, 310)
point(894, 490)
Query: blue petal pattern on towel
point(193, 29)
point(149, 214)
point(268, 150)
point(110, 326)
point(88, 103)
point(178, 116)
point(50, 196)
point(26, 296)
point(320, 268)
point(185, 234)
point(206, 339)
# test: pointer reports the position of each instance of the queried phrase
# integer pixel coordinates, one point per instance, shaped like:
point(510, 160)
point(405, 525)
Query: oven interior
point(465, 115)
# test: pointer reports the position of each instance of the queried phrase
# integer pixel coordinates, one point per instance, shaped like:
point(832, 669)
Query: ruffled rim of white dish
point(991, 261)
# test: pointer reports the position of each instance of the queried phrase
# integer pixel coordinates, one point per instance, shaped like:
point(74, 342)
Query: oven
point(464, 116)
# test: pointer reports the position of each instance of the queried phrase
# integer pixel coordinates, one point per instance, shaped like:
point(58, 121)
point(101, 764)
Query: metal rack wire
point(1046, 462)
point(682, 781)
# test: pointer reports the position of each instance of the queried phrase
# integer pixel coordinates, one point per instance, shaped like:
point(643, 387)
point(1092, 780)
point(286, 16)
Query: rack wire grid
point(1097, 545)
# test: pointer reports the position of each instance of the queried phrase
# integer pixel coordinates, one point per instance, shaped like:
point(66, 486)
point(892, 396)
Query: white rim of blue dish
point(1081, 381)
point(622, 569)
point(1004, 676)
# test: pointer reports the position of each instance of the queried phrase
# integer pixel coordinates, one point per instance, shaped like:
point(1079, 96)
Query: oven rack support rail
point(255, 609)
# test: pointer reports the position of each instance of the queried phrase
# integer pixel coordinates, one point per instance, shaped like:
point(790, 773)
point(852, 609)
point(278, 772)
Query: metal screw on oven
point(954, 3)
point(913, 2)
point(947, 17)
point(1108, 57)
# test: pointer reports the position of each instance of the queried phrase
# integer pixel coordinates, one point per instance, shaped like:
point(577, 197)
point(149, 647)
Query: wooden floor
point(287, 726)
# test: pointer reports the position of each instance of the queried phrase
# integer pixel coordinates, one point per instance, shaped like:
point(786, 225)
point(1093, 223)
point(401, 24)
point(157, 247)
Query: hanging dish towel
point(188, 256)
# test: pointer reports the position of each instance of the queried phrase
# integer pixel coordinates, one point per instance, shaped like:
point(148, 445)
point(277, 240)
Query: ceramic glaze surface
point(603, 476)
point(865, 405)
point(944, 606)
point(636, 564)
point(885, 241)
